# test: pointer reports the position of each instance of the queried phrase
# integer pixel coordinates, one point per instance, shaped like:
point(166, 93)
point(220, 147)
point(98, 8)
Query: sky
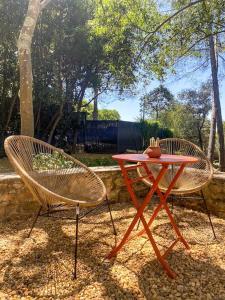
point(129, 107)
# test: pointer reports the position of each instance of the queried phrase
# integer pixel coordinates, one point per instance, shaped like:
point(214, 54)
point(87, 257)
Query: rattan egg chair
point(55, 179)
point(193, 178)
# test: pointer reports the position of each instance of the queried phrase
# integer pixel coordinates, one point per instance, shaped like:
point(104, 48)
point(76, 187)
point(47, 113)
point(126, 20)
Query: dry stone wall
point(16, 200)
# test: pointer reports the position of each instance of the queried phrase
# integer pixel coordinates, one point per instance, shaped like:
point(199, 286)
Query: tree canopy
point(156, 101)
point(82, 48)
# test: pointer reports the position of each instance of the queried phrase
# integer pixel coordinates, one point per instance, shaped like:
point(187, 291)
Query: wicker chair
point(193, 178)
point(56, 180)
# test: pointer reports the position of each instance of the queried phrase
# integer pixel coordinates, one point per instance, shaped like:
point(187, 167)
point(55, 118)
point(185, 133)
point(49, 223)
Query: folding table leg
point(178, 233)
point(163, 203)
point(139, 215)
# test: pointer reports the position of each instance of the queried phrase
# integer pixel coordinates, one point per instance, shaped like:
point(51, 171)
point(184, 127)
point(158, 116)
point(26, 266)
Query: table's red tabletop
point(163, 159)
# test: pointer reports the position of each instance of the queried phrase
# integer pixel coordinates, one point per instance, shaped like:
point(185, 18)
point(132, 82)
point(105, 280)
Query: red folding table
point(142, 160)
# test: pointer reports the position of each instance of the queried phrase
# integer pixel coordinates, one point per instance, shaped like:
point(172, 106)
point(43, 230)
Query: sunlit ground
point(41, 266)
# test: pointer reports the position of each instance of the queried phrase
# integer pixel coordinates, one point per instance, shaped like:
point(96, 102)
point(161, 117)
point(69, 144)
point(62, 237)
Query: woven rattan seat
point(193, 178)
point(55, 179)
point(53, 176)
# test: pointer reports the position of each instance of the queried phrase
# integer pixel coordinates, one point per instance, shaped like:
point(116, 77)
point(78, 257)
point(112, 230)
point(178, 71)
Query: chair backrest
point(194, 176)
point(48, 172)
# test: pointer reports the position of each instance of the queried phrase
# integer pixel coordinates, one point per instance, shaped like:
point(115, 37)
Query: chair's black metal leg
point(110, 213)
point(172, 203)
point(139, 221)
point(208, 213)
point(48, 206)
point(34, 222)
point(76, 242)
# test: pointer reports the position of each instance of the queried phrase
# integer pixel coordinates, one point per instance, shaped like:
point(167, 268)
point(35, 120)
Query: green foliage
point(57, 161)
point(186, 35)
point(124, 24)
point(156, 101)
point(103, 114)
point(187, 118)
point(153, 129)
point(68, 60)
point(11, 14)
point(108, 114)
point(51, 161)
point(95, 160)
point(80, 45)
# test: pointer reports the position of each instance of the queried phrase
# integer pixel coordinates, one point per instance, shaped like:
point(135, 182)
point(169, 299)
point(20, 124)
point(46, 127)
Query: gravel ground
point(40, 267)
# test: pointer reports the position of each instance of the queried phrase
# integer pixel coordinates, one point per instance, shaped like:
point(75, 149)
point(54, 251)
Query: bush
point(51, 161)
point(153, 129)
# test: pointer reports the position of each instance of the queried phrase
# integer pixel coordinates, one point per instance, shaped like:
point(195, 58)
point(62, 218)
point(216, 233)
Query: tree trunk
point(60, 112)
point(37, 121)
point(216, 97)
point(57, 119)
point(200, 138)
point(212, 135)
point(95, 110)
point(78, 124)
point(4, 88)
point(12, 105)
point(25, 67)
point(79, 105)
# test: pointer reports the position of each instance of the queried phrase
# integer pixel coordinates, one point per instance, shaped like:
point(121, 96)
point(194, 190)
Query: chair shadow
point(43, 269)
point(194, 226)
point(50, 264)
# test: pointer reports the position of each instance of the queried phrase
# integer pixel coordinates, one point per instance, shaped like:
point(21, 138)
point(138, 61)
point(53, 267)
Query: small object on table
point(154, 150)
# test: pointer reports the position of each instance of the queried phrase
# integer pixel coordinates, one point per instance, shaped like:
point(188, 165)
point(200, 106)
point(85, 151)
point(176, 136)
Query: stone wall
point(16, 200)
point(215, 194)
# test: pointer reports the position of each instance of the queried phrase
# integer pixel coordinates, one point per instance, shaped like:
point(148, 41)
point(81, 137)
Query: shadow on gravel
point(42, 265)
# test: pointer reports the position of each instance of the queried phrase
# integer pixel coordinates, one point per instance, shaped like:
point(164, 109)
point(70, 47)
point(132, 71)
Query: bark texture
point(212, 135)
point(216, 97)
point(55, 123)
point(95, 110)
point(25, 65)
point(12, 105)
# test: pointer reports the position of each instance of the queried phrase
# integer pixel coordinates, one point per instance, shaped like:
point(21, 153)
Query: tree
point(183, 123)
point(83, 45)
point(108, 114)
point(24, 54)
point(123, 25)
point(156, 102)
point(10, 19)
point(216, 106)
point(103, 114)
point(192, 35)
point(151, 129)
point(68, 62)
point(95, 109)
point(187, 117)
point(198, 104)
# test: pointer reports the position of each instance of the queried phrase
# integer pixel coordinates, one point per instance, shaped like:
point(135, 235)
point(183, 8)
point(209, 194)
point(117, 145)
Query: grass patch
point(95, 159)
